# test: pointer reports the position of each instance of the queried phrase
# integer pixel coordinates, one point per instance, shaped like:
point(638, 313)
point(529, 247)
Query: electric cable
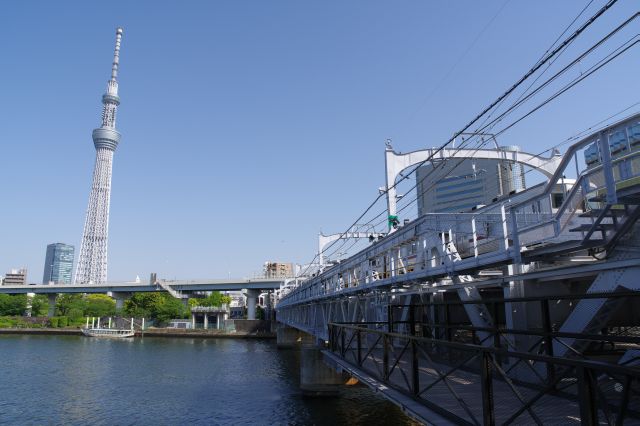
point(547, 57)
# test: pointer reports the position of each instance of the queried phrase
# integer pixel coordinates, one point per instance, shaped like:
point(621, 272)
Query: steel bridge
point(525, 311)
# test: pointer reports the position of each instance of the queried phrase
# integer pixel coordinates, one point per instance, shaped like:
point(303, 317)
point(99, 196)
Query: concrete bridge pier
point(52, 305)
point(316, 377)
point(120, 297)
point(268, 308)
point(290, 337)
point(252, 298)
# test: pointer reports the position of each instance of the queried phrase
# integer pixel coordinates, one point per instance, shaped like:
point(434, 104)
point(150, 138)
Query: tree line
point(158, 306)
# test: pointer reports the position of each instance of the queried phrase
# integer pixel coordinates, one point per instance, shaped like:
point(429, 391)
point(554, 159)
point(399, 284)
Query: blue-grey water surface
point(71, 380)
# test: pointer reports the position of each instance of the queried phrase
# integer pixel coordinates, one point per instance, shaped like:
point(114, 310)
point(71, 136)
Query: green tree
point(158, 306)
point(141, 305)
point(168, 308)
point(13, 305)
point(99, 305)
point(63, 321)
point(214, 299)
point(70, 305)
point(39, 305)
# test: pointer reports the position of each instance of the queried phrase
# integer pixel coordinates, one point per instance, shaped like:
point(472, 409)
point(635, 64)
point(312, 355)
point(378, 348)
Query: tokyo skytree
point(92, 263)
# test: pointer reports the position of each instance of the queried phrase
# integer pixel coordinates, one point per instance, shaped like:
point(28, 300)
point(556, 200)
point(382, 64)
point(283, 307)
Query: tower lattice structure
point(92, 262)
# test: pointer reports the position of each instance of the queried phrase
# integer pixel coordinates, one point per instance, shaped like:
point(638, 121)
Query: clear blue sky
point(249, 126)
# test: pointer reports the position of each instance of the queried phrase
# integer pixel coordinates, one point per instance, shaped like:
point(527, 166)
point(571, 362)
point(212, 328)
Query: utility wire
point(459, 60)
point(570, 139)
point(452, 68)
point(573, 83)
point(573, 63)
point(528, 74)
point(603, 62)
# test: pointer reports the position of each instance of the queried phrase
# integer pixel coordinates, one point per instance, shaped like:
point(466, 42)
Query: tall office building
point(92, 261)
point(58, 264)
point(460, 185)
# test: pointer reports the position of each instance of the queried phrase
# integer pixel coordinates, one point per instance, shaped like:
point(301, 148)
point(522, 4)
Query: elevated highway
point(180, 289)
point(183, 286)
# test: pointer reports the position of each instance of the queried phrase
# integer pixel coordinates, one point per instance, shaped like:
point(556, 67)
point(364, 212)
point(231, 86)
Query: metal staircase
point(170, 290)
point(611, 220)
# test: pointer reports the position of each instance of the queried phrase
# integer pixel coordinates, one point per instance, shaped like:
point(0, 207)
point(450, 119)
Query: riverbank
point(152, 332)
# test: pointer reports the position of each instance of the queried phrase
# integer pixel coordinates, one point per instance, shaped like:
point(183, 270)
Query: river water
point(74, 380)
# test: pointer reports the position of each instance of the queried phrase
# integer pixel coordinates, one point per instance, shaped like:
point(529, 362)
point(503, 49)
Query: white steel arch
point(396, 162)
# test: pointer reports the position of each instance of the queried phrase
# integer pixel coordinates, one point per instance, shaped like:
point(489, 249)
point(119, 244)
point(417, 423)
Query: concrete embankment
point(153, 332)
point(169, 332)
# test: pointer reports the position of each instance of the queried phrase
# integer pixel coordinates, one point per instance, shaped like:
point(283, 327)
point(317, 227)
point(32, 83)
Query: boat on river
point(97, 330)
point(114, 333)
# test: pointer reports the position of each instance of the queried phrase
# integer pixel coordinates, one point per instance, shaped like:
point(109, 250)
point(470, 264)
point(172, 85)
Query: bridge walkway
point(464, 389)
point(473, 384)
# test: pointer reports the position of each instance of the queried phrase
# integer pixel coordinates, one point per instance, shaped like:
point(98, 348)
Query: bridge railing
point(477, 389)
point(434, 245)
point(602, 163)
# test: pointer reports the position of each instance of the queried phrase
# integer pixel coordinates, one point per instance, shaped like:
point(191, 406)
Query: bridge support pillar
point(289, 337)
point(268, 312)
point(52, 305)
point(252, 297)
point(120, 299)
point(286, 337)
point(316, 377)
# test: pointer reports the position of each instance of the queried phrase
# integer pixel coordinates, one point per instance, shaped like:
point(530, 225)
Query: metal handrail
point(600, 295)
point(570, 362)
point(609, 338)
point(562, 373)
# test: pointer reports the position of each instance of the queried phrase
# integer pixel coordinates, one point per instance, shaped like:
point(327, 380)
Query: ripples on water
point(77, 380)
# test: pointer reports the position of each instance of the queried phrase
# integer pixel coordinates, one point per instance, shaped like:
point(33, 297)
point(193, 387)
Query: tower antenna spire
point(116, 55)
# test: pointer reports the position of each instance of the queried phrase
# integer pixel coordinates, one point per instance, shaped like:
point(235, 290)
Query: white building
point(16, 277)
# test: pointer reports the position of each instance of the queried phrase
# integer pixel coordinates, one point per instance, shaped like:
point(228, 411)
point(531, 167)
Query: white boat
point(114, 333)
point(96, 330)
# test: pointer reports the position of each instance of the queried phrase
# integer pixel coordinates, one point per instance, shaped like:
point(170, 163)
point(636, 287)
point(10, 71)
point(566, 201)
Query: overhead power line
point(546, 58)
